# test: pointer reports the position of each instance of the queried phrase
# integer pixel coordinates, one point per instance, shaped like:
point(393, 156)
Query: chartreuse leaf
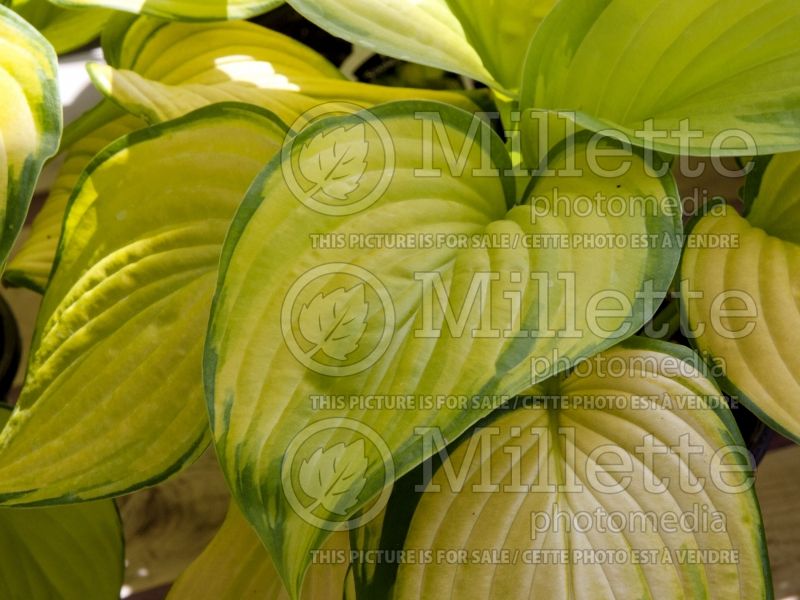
point(645, 70)
point(155, 102)
point(211, 52)
point(739, 294)
point(60, 551)
point(775, 183)
point(30, 119)
point(501, 32)
point(271, 367)
point(182, 10)
point(236, 565)
point(199, 54)
point(30, 267)
point(230, 61)
point(200, 64)
point(483, 40)
point(66, 29)
point(118, 340)
point(423, 31)
point(629, 479)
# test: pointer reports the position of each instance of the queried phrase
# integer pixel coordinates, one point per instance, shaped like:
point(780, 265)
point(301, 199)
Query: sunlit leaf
point(118, 340)
point(182, 10)
point(287, 97)
point(30, 119)
point(561, 497)
point(263, 375)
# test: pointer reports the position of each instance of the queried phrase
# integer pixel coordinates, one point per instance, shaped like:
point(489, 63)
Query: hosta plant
point(466, 343)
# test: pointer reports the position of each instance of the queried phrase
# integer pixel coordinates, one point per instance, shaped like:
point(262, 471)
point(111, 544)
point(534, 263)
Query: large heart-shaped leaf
point(60, 551)
point(236, 565)
point(30, 119)
point(66, 29)
point(118, 340)
point(739, 293)
point(704, 77)
point(627, 477)
point(182, 10)
point(423, 217)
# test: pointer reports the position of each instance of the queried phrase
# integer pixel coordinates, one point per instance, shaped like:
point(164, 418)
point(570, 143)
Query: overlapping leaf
point(156, 101)
point(562, 498)
point(65, 28)
point(424, 31)
point(60, 551)
point(175, 53)
point(165, 70)
point(118, 340)
point(702, 77)
point(483, 40)
point(30, 267)
point(229, 61)
point(30, 119)
point(236, 565)
point(293, 242)
point(182, 10)
point(740, 294)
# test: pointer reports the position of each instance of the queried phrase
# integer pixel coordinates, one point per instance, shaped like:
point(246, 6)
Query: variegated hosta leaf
point(118, 340)
point(423, 31)
point(775, 183)
point(60, 551)
point(198, 54)
point(702, 77)
point(483, 40)
point(30, 119)
point(306, 310)
point(212, 53)
point(156, 101)
point(236, 565)
point(740, 295)
point(66, 29)
point(182, 10)
point(229, 61)
point(30, 267)
point(501, 31)
point(632, 485)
